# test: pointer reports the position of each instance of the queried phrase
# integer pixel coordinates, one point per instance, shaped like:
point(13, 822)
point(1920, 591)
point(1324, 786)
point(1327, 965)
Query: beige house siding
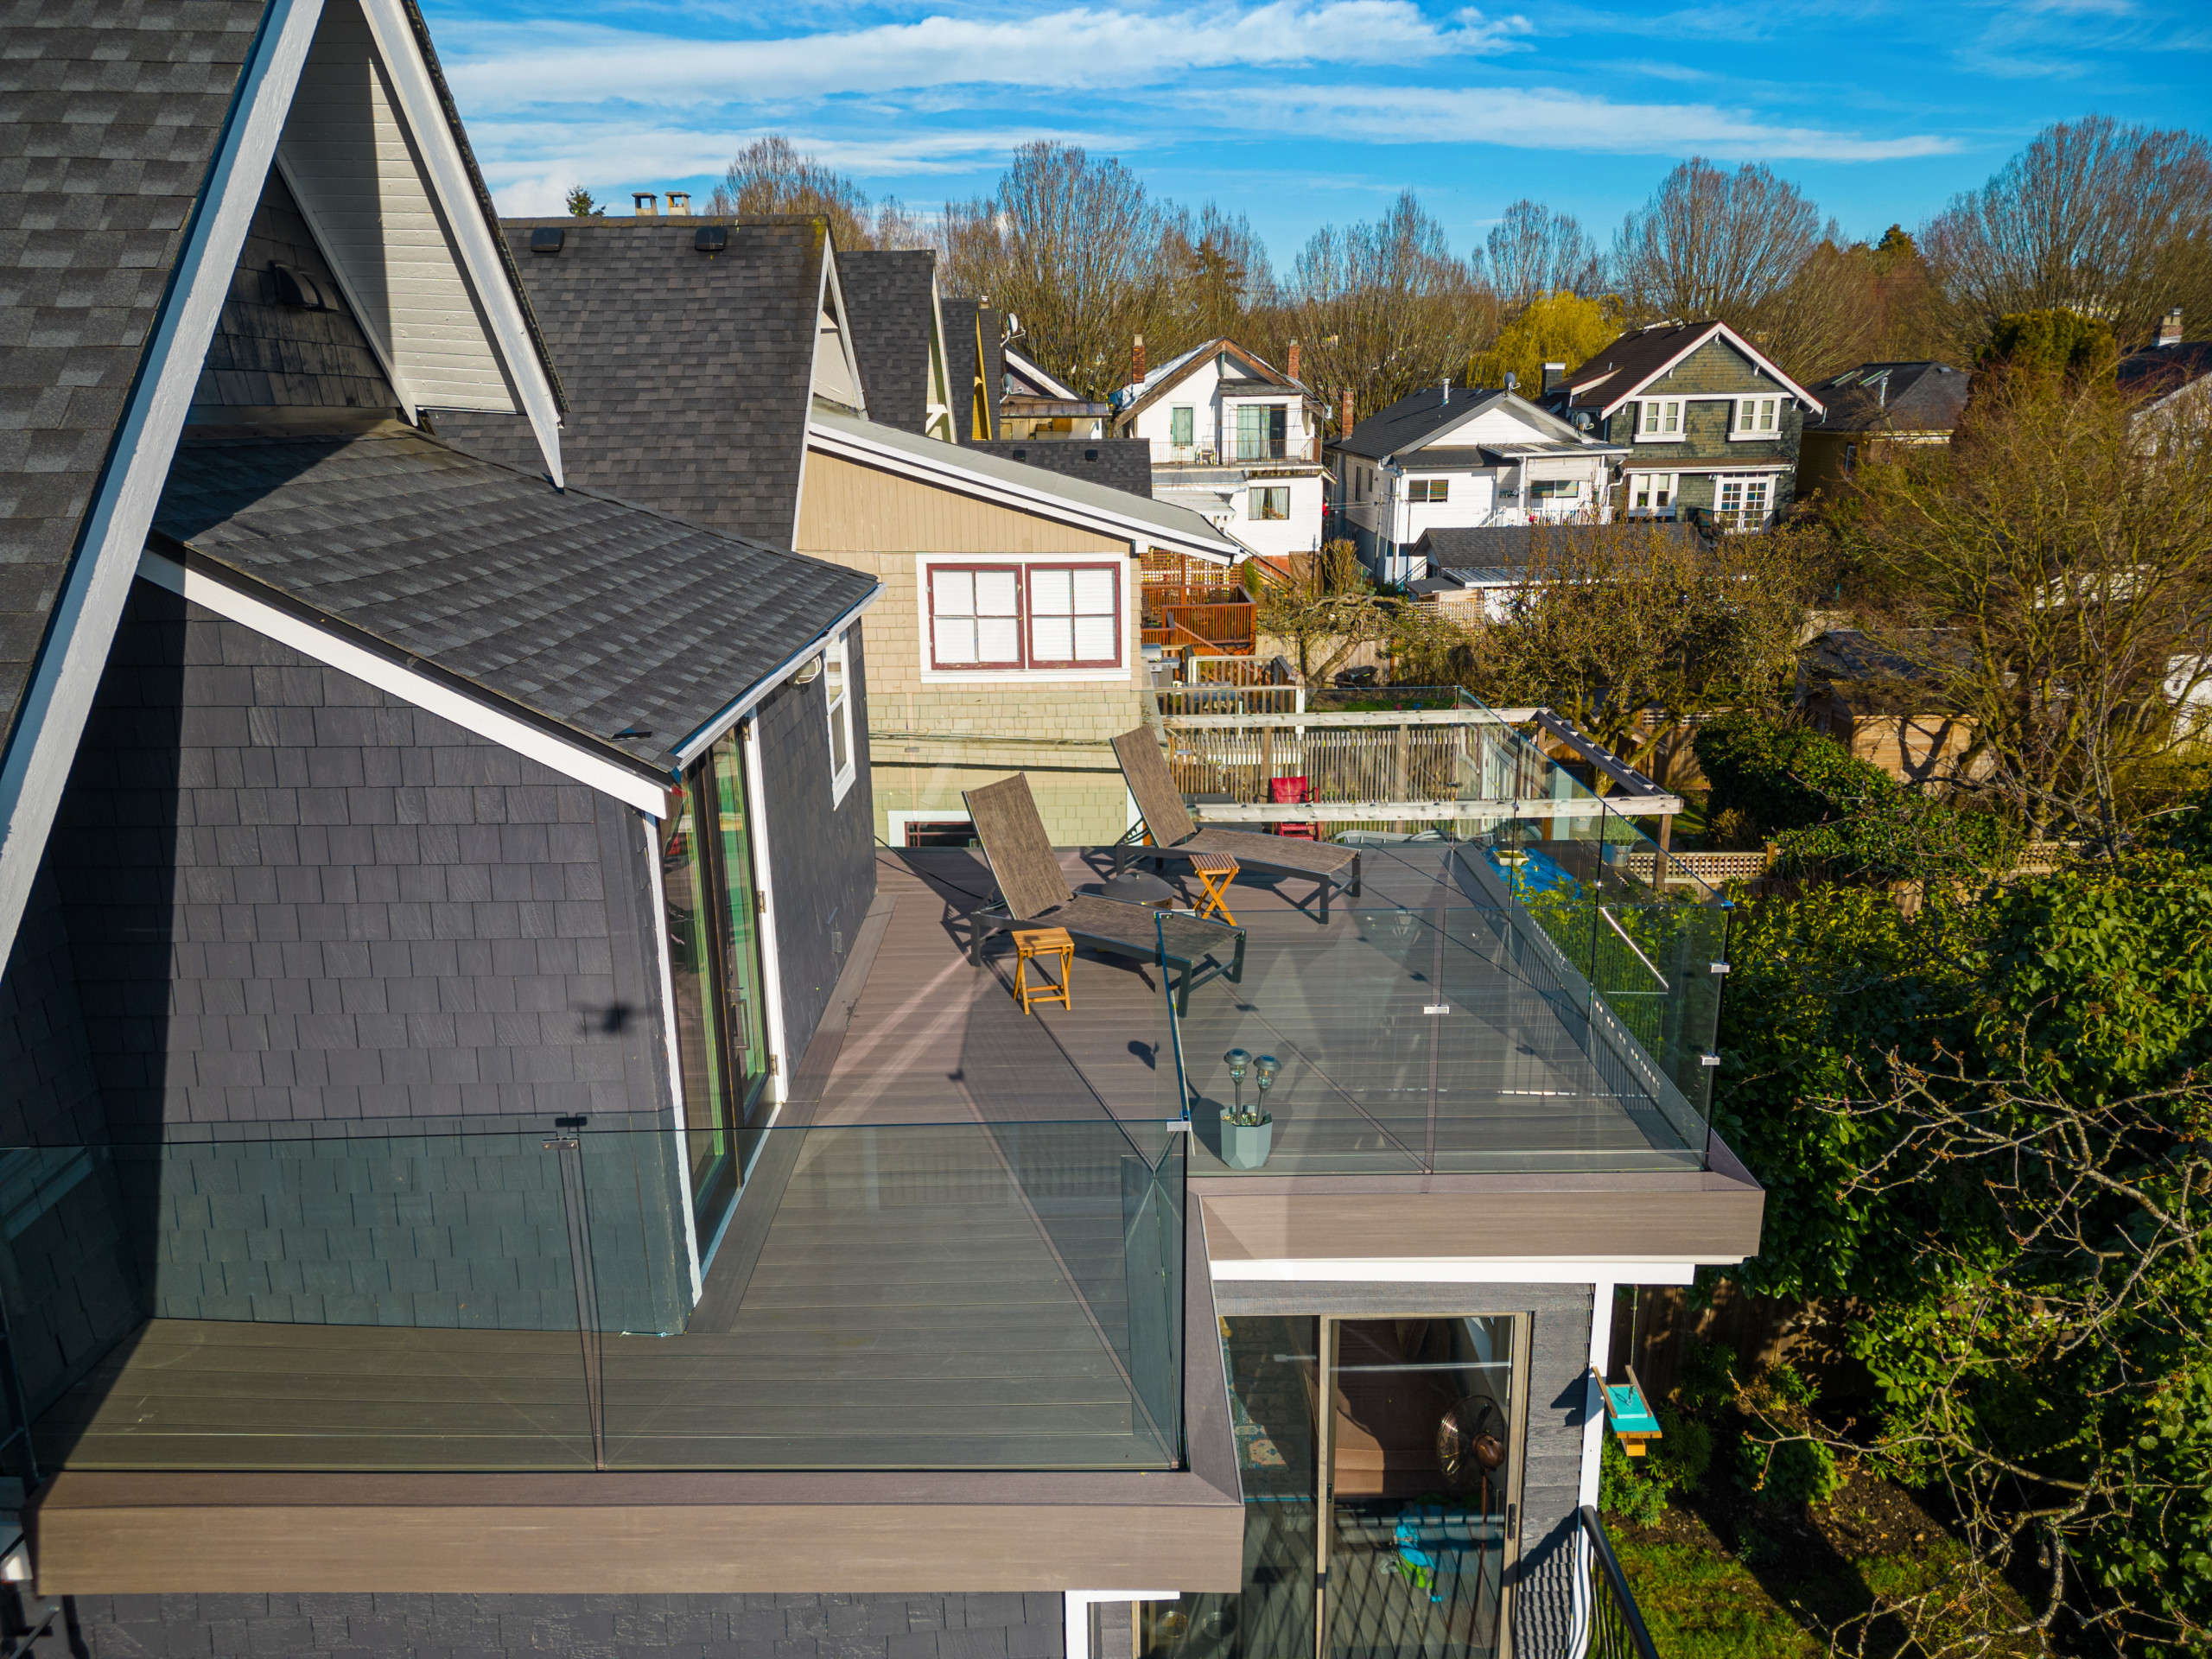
point(929, 740)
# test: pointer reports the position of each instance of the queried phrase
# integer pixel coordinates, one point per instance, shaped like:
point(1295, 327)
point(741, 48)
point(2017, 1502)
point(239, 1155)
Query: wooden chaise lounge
point(1174, 836)
point(1034, 891)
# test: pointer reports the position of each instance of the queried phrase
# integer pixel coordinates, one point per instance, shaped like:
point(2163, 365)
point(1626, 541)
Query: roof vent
point(710, 239)
point(679, 202)
point(1090, 455)
point(646, 204)
point(547, 239)
point(1021, 455)
point(294, 288)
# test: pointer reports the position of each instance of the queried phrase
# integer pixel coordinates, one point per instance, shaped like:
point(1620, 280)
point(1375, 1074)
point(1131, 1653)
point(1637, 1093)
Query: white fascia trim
point(699, 742)
point(1721, 330)
point(485, 272)
point(436, 697)
point(1593, 1421)
point(772, 975)
point(949, 475)
point(59, 698)
point(1463, 1270)
point(1053, 386)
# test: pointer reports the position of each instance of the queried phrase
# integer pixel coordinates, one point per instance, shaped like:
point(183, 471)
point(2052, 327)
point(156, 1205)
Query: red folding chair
point(1293, 791)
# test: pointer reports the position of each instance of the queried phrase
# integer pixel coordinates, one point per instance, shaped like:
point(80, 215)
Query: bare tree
point(1712, 243)
point(770, 175)
point(1217, 272)
point(1073, 247)
point(2047, 578)
point(2092, 216)
point(1329, 608)
point(1534, 251)
point(1385, 308)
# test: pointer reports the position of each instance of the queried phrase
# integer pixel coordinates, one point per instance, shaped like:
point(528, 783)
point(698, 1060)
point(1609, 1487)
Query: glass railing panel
point(334, 1302)
point(926, 1296)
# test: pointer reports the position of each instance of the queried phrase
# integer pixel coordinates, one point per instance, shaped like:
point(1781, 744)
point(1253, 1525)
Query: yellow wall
point(929, 740)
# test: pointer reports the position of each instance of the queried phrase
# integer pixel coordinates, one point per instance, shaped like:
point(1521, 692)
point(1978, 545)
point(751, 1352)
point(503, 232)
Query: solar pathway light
point(1248, 1137)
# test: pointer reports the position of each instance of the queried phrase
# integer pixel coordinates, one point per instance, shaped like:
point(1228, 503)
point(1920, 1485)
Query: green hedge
point(1784, 777)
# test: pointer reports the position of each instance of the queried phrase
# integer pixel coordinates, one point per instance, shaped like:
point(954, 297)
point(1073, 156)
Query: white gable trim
point(58, 699)
point(1720, 331)
point(1514, 404)
point(1054, 386)
point(949, 474)
point(435, 696)
point(481, 259)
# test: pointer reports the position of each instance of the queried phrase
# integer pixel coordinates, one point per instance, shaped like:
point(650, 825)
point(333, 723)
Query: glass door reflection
point(1422, 1460)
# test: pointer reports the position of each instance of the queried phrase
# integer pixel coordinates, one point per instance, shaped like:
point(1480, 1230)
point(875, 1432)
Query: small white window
point(844, 760)
point(1651, 492)
point(975, 617)
point(1271, 502)
point(1430, 489)
point(1661, 420)
point(1071, 616)
point(1757, 417)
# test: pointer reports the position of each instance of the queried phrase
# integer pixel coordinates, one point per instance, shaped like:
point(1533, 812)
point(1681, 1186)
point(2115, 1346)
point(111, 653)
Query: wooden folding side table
point(1030, 942)
point(1214, 872)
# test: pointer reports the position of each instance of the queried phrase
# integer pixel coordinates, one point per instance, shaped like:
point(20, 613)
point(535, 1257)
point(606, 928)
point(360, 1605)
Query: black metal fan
point(1470, 1443)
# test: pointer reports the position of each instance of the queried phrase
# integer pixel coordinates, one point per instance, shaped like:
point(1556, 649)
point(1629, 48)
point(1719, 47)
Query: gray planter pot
point(1246, 1148)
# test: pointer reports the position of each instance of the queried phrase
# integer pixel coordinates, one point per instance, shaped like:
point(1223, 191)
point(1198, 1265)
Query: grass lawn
point(1705, 1596)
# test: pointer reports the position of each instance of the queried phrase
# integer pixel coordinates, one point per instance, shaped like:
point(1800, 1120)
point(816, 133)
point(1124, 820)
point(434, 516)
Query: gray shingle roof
point(595, 615)
point(890, 304)
point(1494, 552)
point(960, 363)
point(2161, 370)
point(1918, 397)
point(1630, 360)
point(688, 375)
point(1118, 463)
point(109, 117)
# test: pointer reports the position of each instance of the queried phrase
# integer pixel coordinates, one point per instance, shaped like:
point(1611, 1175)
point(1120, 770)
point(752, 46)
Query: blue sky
point(1301, 112)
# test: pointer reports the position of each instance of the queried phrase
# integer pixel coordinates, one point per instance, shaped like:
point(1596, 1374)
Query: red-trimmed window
point(1039, 616)
point(975, 616)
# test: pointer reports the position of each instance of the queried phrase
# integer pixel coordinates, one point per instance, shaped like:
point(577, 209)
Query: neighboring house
point(1235, 439)
point(1035, 405)
point(898, 339)
point(1869, 409)
point(1445, 458)
point(975, 343)
point(2169, 374)
point(1486, 567)
point(1710, 423)
point(1009, 634)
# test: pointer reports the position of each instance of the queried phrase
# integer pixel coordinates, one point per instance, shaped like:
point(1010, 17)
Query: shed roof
point(598, 615)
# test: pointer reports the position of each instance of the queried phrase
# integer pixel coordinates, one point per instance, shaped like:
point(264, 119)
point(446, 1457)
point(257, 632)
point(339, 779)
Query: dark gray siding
point(1559, 1361)
point(294, 898)
point(49, 1095)
point(578, 1627)
point(821, 853)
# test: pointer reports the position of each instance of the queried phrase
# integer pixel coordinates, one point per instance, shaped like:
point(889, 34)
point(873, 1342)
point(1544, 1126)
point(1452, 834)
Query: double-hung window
point(1271, 502)
point(1652, 492)
point(1755, 417)
point(1013, 616)
point(844, 765)
point(1659, 421)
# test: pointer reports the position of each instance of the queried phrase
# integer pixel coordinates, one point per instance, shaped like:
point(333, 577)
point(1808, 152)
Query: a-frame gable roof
point(139, 136)
point(1632, 362)
point(1425, 417)
point(1133, 400)
point(891, 303)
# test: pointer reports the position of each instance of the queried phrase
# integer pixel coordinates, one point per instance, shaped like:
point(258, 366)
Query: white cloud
point(1066, 49)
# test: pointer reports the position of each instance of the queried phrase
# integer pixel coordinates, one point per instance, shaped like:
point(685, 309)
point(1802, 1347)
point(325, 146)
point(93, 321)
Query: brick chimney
point(679, 202)
point(646, 204)
point(1292, 369)
point(2169, 329)
point(1136, 359)
point(1347, 426)
point(1555, 374)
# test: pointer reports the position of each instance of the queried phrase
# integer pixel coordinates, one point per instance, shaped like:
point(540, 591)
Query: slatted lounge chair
point(1174, 836)
point(1034, 891)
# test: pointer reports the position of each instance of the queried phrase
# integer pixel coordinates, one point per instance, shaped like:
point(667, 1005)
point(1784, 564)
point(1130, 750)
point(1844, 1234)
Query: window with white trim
point(1037, 616)
point(1271, 502)
point(1659, 421)
point(1430, 489)
point(844, 759)
point(1651, 492)
point(1755, 417)
point(1743, 502)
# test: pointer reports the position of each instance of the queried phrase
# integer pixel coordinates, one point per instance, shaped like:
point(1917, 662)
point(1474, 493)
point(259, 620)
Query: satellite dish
point(1470, 1442)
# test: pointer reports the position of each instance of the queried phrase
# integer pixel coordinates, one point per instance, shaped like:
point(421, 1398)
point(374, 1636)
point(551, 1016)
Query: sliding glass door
point(713, 931)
